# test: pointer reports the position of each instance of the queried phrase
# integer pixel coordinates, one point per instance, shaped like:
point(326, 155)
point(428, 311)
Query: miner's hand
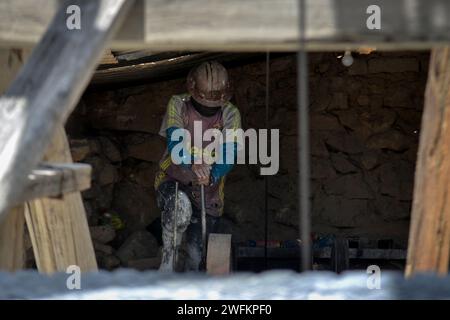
point(202, 173)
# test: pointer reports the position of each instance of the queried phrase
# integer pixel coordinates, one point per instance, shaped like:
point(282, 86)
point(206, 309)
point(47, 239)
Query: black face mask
point(204, 110)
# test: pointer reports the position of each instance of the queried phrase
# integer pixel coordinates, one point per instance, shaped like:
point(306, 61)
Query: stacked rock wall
point(365, 123)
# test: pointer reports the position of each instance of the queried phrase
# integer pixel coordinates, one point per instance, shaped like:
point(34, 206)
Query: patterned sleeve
point(231, 117)
point(173, 116)
point(231, 121)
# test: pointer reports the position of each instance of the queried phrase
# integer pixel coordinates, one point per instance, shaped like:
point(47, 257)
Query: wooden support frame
point(58, 226)
point(39, 101)
point(250, 25)
point(56, 220)
point(48, 88)
point(49, 180)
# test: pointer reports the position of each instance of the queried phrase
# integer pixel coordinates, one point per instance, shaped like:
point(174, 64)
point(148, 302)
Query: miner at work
point(208, 101)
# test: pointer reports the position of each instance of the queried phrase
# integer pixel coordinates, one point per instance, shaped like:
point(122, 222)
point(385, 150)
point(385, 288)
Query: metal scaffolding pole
point(303, 142)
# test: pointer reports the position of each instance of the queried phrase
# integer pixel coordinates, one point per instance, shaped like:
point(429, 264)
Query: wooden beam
point(48, 88)
point(56, 179)
point(12, 250)
point(58, 227)
point(218, 257)
point(250, 25)
point(429, 235)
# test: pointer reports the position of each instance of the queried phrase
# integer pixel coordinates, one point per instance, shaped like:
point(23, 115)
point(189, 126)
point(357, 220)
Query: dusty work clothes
point(188, 220)
point(182, 112)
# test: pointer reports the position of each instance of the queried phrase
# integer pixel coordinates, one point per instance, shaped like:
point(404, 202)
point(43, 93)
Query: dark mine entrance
point(364, 128)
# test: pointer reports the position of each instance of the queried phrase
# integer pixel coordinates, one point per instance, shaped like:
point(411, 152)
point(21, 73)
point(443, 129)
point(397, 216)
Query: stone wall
point(365, 122)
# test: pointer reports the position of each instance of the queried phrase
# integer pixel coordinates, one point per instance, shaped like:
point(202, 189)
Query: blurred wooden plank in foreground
point(250, 25)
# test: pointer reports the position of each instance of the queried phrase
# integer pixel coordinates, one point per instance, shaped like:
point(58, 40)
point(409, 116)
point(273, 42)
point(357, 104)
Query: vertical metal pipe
point(266, 178)
point(202, 192)
point(175, 217)
point(303, 141)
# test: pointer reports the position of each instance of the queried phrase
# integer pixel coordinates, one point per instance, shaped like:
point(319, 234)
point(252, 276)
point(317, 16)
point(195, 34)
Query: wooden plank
point(12, 250)
point(429, 235)
point(218, 258)
point(250, 25)
point(58, 227)
point(56, 179)
point(48, 88)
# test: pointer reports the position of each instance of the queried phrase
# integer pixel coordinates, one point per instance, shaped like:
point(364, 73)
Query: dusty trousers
point(188, 225)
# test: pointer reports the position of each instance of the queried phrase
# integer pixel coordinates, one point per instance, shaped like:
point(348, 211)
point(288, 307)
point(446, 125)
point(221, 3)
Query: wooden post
point(12, 251)
point(429, 236)
point(58, 227)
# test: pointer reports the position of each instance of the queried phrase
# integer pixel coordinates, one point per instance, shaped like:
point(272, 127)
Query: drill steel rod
point(175, 217)
point(202, 190)
point(303, 142)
